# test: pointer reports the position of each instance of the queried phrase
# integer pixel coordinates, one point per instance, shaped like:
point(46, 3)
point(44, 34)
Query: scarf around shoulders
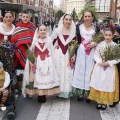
point(21, 37)
point(29, 25)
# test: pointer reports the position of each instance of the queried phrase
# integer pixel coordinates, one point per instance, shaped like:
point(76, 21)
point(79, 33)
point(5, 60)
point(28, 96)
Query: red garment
point(29, 25)
point(2, 37)
point(63, 48)
point(114, 27)
point(108, 25)
point(42, 54)
point(22, 36)
point(85, 45)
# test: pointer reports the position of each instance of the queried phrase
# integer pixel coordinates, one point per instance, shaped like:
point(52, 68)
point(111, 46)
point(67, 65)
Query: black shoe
point(88, 100)
point(117, 102)
point(80, 98)
point(99, 106)
point(113, 105)
point(42, 99)
point(28, 96)
point(103, 107)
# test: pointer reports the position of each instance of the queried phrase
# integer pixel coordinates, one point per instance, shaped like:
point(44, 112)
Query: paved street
point(91, 15)
point(61, 109)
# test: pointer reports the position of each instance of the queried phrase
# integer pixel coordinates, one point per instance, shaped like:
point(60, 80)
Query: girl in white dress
point(104, 82)
point(41, 77)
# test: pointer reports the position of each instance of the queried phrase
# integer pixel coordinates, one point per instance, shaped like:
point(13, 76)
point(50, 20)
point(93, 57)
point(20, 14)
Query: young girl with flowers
point(104, 79)
point(40, 76)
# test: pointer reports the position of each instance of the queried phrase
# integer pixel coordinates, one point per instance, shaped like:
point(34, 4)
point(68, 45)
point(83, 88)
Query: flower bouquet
point(30, 55)
point(7, 54)
point(98, 37)
point(71, 49)
point(7, 44)
point(110, 53)
point(31, 58)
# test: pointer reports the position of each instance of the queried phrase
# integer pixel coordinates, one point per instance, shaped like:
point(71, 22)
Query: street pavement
point(61, 109)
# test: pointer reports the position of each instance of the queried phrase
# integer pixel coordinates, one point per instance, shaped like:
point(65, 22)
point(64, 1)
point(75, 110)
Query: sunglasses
point(9, 12)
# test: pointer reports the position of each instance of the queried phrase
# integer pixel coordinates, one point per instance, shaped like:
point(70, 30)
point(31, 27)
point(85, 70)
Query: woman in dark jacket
point(85, 31)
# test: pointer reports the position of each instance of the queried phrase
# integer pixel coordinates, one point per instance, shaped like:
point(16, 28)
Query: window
point(37, 3)
point(18, 1)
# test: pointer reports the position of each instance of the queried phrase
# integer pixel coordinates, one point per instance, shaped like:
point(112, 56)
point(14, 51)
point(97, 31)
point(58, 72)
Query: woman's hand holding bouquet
point(72, 49)
point(31, 58)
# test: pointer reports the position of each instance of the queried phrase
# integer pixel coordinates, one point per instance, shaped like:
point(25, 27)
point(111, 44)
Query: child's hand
point(104, 64)
point(116, 34)
point(31, 64)
point(101, 64)
point(91, 45)
point(2, 89)
point(73, 59)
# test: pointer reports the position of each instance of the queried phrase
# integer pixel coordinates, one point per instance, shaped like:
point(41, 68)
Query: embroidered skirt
point(7, 57)
point(31, 90)
point(106, 97)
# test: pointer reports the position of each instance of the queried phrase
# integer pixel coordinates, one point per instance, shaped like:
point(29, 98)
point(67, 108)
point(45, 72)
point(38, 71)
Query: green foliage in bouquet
point(30, 56)
point(72, 48)
point(98, 37)
point(93, 10)
point(111, 53)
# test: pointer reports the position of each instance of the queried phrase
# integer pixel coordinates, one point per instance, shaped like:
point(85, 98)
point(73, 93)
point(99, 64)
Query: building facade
point(77, 4)
point(118, 10)
point(103, 7)
point(113, 6)
point(63, 5)
point(39, 9)
point(17, 6)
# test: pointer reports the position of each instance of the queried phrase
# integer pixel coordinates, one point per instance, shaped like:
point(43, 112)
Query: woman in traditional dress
point(6, 48)
point(62, 37)
point(41, 77)
point(84, 61)
point(104, 79)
